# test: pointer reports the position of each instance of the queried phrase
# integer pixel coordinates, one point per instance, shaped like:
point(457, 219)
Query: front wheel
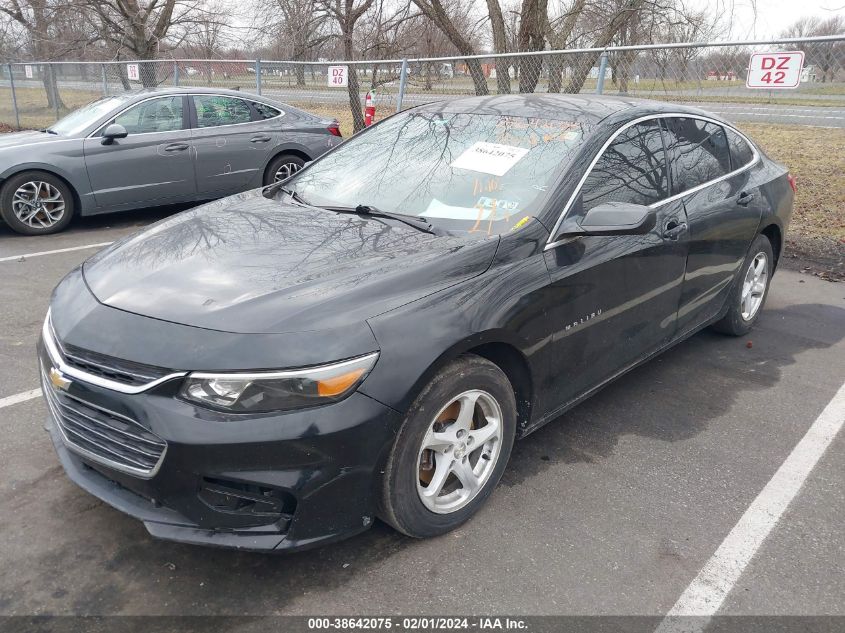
point(750, 290)
point(451, 450)
point(282, 167)
point(36, 203)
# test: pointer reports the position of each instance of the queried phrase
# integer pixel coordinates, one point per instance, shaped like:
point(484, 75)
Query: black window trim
point(186, 119)
point(195, 118)
point(675, 196)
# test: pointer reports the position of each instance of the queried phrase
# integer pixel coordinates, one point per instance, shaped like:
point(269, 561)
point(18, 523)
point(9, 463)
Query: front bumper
point(316, 469)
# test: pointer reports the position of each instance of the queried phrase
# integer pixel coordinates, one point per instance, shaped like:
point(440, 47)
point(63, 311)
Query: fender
point(78, 182)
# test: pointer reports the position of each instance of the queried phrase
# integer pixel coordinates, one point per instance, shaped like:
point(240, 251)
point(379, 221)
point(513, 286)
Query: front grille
point(107, 437)
point(122, 371)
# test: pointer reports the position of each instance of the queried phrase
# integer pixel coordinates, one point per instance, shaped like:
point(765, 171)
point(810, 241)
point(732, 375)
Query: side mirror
point(617, 218)
point(113, 131)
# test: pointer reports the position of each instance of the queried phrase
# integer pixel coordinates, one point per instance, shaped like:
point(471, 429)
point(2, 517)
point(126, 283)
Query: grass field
point(814, 156)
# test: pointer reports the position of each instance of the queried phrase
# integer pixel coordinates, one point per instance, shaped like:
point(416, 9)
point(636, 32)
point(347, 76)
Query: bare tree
point(560, 31)
point(41, 22)
point(823, 55)
point(500, 45)
point(533, 21)
point(303, 30)
point(437, 12)
point(347, 13)
point(142, 28)
point(207, 36)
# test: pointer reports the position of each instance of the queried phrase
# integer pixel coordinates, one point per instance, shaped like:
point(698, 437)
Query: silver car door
point(153, 164)
point(231, 148)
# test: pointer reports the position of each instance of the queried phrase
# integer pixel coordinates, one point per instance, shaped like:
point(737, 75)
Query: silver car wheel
point(459, 451)
point(285, 171)
point(38, 204)
point(754, 286)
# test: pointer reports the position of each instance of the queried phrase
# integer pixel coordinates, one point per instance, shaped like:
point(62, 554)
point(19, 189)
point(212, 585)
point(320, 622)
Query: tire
point(412, 472)
point(742, 316)
point(53, 194)
point(291, 162)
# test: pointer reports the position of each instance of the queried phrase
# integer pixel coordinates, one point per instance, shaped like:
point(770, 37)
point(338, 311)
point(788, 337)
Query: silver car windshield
point(464, 172)
point(77, 121)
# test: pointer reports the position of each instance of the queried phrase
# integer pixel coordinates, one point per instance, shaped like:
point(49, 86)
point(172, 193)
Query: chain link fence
point(713, 75)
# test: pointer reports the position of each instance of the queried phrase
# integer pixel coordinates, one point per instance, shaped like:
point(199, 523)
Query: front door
point(152, 165)
point(613, 299)
point(231, 147)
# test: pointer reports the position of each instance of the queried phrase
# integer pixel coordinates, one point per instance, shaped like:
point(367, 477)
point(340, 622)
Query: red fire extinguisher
point(369, 109)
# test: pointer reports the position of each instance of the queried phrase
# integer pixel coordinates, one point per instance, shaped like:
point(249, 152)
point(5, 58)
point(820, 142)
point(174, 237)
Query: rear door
point(614, 299)
point(153, 164)
point(232, 144)
point(723, 209)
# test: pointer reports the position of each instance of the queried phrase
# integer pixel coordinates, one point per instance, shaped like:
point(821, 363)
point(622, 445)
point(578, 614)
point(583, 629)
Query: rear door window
point(632, 169)
point(698, 151)
point(214, 110)
point(741, 152)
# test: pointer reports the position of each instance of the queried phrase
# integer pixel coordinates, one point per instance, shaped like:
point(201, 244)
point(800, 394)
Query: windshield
point(76, 122)
point(463, 172)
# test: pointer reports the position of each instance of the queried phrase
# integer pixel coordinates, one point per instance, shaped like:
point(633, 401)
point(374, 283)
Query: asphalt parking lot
point(613, 509)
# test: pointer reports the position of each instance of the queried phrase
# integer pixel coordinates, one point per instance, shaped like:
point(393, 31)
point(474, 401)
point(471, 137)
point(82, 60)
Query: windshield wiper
point(48, 131)
point(414, 221)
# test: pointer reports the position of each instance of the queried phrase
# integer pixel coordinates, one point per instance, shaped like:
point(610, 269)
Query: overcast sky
point(773, 16)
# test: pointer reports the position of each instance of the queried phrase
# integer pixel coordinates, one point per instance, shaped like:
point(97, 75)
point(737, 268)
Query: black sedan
point(368, 338)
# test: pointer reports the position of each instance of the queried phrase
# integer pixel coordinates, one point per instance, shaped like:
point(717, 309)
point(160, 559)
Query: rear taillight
point(791, 180)
point(334, 130)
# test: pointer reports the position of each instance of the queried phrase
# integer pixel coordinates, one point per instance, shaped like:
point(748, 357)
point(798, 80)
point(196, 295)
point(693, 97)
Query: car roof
point(166, 90)
point(589, 109)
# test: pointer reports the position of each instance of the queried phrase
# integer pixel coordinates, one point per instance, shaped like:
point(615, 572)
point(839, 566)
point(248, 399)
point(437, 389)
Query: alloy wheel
point(38, 204)
point(285, 171)
point(754, 286)
point(459, 451)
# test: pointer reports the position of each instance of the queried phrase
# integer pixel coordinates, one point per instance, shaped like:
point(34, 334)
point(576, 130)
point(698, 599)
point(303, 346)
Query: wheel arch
point(297, 151)
point(47, 169)
point(774, 234)
point(499, 348)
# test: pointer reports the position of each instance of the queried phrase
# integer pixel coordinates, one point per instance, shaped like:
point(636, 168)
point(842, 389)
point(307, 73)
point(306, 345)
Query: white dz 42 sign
point(775, 70)
point(338, 76)
point(132, 72)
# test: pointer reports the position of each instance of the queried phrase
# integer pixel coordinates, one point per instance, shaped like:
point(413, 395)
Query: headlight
point(276, 391)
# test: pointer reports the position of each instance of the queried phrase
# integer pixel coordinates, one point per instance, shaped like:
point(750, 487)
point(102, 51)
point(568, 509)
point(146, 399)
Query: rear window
point(698, 151)
point(265, 111)
point(741, 152)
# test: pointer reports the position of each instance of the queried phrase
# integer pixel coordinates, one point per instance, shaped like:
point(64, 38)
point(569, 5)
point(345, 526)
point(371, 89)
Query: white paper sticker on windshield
point(490, 158)
point(437, 209)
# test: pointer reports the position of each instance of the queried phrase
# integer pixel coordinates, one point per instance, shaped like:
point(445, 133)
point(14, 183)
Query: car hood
point(17, 139)
point(250, 264)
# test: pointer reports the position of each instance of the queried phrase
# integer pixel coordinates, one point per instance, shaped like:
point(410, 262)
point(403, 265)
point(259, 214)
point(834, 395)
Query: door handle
point(745, 198)
point(176, 147)
point(673, 229)
point(259, 139)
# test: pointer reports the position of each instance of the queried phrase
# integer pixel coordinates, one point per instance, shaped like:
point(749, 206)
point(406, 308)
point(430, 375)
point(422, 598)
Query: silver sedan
point(150, 148)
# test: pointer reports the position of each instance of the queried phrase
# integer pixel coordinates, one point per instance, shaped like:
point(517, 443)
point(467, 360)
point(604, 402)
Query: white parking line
point(708, 590)
point(8, 401)
point(58, 250)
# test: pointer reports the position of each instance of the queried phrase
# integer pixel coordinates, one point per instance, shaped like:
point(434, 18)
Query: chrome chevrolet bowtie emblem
point(58, 379)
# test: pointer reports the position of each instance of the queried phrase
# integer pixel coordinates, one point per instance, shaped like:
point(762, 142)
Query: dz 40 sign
point(775, 70)
point(338, 76)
